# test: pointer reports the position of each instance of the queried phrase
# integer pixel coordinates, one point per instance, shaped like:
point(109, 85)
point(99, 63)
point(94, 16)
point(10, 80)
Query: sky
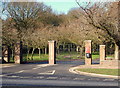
point(58, 6)
point(61, 6)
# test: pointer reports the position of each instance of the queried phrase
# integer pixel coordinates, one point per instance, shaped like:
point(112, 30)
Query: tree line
point(35, 24)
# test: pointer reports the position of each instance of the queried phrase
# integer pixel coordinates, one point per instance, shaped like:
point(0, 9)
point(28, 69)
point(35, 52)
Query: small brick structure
point(52, 52)
point(110, 63)
point(107, 61)
point(18, 53)
point(88, 53)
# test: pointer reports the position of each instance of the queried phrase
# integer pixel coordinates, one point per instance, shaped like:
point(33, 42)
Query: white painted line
point(40, 77)
point(44, 65)
point(36, 68)
point(20, 71)
point(63, 78)
point(52, 78)
point(2, 66)
point(24, 77)
point(48, 72)
point(78, 78)
point(2, 75)
point(40, 66)
point(108, 80)
point(94, 79)
point(14, 76)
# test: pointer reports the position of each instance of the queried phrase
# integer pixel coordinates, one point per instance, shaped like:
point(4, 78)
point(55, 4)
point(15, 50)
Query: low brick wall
point(111, 63)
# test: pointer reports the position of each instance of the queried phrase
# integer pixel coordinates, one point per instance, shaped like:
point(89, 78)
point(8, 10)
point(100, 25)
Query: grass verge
point(114, 72)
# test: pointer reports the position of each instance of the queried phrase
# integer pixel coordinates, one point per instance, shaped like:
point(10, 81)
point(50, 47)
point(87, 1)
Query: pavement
point(50, 75)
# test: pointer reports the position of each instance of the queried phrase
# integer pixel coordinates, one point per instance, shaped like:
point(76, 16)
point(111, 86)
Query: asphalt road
point(50, 75)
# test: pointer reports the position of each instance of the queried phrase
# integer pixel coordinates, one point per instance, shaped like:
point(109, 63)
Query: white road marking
point(14, 76)
point(48, 72)
point(40, 77)
point(63, 78)
point(2, 66)
point(43, 65)
point(36, 67)
point(78, 78)
point(20, 71)
point(40, 66)
point(52, 78)
point(2, 75)
point(94, 79)
point(24, 77)
point(108, 80)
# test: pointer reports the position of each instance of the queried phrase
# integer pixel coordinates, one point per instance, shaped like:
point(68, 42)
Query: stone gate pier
point(18, 53)
point(88, 53)
point(52, 52)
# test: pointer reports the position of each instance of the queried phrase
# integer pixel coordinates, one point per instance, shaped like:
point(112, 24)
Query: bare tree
point(24, 14)
point(105, 17)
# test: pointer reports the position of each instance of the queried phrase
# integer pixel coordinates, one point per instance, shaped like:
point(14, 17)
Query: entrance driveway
point(50, 75)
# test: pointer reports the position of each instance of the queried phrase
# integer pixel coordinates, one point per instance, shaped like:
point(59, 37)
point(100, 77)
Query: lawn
point(114, 72)
point(95, 56)
point(60, 56)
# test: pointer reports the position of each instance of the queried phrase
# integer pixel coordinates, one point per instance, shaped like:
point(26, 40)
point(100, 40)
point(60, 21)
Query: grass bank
point(114, 72)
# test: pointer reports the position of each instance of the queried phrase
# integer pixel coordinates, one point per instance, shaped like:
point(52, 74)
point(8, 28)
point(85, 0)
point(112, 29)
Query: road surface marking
point(48, 72)
point(93, 79)
point(3, 66)
point(78, 78)
point(52, 78)
point(2, 75)
point(40, 77)
point(108, 80)
point(20, 71)
point(14, 76)
point(24, 77)
point(43, 65)
point(40, 66)
point(36, 68)
point(63, 78)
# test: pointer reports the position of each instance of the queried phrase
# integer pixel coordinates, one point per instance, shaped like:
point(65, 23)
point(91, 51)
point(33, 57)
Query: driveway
point(50, 75)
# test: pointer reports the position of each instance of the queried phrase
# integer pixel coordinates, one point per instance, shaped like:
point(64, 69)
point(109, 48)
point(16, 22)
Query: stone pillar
point(116, 52)
point(88, 55)
point(102, 53)
point(52, 52)
point(18, 53)
point(5, 53)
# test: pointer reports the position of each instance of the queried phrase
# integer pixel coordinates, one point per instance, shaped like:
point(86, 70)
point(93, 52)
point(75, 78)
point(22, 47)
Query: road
point(50, 75)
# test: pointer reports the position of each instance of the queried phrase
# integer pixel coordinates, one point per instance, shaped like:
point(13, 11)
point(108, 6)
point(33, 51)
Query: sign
point(87, 50)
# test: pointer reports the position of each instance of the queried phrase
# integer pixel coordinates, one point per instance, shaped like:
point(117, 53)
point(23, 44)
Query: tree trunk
point(45, 51)
point(28, 51)
point(117, 52)
point(58, 50)
point(32, 53)
point(13, 54)
point(81, 51)
point(77, 48)
point(39, 52)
